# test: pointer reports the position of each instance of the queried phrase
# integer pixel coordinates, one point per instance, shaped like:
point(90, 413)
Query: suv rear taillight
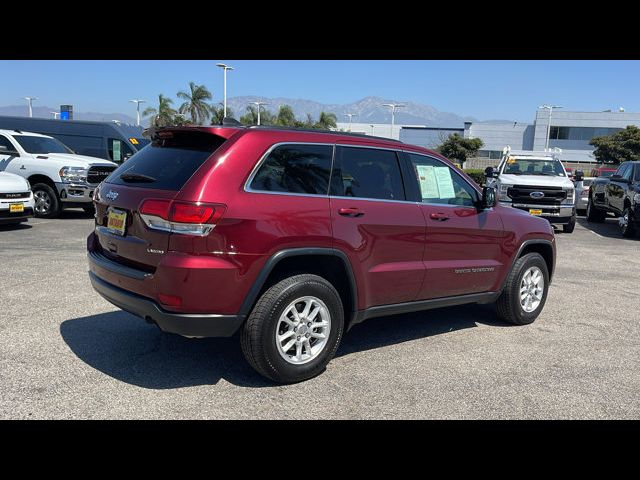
point(188, 218)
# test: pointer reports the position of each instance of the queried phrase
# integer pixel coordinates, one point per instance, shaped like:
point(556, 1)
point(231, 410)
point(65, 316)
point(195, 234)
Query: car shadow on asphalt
point(15, 226)
point(74, 214)
point(609, 228)
point(129, 350)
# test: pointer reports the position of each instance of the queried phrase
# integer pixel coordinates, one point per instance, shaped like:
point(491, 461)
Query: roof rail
point(319, 130)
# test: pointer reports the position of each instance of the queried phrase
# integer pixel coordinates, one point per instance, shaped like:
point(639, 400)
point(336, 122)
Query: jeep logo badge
point(112, 195)
point(536, 194)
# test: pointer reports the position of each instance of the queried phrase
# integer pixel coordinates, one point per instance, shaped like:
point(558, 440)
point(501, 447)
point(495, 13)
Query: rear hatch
point(156, 173)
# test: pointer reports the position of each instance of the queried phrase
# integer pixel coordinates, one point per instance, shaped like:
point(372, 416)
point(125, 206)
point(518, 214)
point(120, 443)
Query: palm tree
point(286, 117)
point(251, 117)
point(162, 116)
point(195, 103)
point(217, 113)
point(327, 120)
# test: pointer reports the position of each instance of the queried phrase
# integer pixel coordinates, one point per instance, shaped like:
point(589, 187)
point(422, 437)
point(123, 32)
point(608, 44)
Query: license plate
point(116, 221)
point(535, 211)
point(16, 207)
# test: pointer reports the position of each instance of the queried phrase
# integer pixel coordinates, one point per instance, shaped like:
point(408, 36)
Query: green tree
point(251, 116)
point(459, 148)
point(622, 146)
point(327, 120)
point(286, 117)
point(162, 116)
point(217, 113)
point(195, 103)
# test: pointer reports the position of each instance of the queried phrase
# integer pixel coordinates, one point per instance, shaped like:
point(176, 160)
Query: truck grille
point(522, 194)
point(11, 196)
point(98, 174)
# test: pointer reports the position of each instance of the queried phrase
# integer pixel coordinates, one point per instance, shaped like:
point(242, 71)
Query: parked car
point(535, 182)
point(16, 199)
point(58, 177)
point(582, 192)
point(603, 172)
point(107, 140)
point(619, 195)
point(294, 236)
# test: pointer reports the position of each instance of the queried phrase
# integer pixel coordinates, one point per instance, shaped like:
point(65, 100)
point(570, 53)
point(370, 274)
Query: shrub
point(477, 174)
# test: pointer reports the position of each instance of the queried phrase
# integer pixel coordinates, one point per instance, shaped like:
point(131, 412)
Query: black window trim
point(416, 187)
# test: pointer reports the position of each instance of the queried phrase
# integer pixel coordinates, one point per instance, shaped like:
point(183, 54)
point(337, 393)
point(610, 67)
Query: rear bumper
point(188, 325)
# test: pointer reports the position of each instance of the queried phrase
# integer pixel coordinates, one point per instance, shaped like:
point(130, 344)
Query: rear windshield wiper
point(136, 177)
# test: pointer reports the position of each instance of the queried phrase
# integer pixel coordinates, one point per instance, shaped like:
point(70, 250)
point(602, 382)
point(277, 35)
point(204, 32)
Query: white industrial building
point(377, 129)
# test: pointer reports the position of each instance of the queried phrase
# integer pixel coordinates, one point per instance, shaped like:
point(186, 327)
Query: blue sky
point(483, 89)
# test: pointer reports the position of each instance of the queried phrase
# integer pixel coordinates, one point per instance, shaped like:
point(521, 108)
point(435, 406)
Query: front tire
point(525, 291)
point(569, 227)
point(47, 204)
point(627, 223)
point(593, 214)
point(294, 329)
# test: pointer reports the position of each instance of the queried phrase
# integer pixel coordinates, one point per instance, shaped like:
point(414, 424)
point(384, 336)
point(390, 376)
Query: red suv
point(294, 236)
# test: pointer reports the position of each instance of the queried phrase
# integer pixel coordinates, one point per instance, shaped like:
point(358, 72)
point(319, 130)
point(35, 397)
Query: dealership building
point(569, 131)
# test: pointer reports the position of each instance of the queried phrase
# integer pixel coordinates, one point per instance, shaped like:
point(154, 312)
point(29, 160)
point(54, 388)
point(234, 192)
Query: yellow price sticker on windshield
point(133, 141)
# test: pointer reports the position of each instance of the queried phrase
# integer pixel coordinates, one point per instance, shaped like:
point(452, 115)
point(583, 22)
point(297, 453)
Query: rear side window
point(295, 169)
point(167, 163)
point(367, 173)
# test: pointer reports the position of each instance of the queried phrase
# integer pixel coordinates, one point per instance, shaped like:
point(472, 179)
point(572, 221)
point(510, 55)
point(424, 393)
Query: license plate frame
point(117, 221)
point(16, 207)
point(535, 211)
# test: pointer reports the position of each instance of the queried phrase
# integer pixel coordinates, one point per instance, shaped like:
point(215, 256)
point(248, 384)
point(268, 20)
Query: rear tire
point(513, 304)
point(569, 227)
point(47, 203)
point(594, 215)
point(270, 329)
point(627, 224)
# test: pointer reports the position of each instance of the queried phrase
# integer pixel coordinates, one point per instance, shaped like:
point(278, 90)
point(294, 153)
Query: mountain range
point(367, 110)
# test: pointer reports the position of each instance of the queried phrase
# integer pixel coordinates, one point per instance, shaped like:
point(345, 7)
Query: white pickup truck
point(535, 182)
point(59, 178)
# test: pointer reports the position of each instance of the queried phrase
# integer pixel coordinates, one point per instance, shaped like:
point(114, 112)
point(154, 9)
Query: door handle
point(440, 217)
point(350, 212)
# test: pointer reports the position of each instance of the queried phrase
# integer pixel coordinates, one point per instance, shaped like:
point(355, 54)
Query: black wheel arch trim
point(526, 243)
point(277, 257)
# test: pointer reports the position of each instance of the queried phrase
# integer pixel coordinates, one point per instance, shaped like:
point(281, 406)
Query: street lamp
point(350, 115)
point(258, 105)
point(138, 102)
point(55, 114)
point(393, 107)
point(30, 100)
point(372, 128)
point(225, 68)
point(550, 108)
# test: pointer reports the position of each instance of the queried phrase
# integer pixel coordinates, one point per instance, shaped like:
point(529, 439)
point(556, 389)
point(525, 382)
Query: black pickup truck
point(620, 195)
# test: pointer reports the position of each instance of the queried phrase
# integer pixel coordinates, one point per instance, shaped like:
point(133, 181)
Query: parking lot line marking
point(596, 233)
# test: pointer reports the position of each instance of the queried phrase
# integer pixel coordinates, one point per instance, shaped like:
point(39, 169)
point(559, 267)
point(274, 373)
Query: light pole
point(30, 100)
point(372, 128)
point(55, 114)
point(550, 108)
point(393, 107)
point(225, 68)
point(258, 105)
point(138, 102)
point(350, 115)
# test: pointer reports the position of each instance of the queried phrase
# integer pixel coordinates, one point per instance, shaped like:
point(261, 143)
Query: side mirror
point(488, 197)
point(579, 176)
point(5, 151)
point(490, 172)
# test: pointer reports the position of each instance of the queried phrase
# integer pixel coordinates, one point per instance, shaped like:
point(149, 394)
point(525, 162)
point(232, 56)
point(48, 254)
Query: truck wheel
point(294, 329)
point(627, 223)
point(593, 214)
point(525, 291)
point(47, 204)
point(569, 227)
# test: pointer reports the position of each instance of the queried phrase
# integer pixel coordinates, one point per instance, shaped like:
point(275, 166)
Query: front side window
point(628, 172)
point(622, 169)
point(118, 150)
point(367, 173)
point(5, 142)
point(295, 168)
point(33, 144)
point(441, 184)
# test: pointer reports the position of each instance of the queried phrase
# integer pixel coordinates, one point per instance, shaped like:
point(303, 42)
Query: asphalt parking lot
point(67, 353)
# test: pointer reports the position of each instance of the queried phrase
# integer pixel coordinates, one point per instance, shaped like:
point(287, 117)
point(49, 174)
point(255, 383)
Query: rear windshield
point(167, 163)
